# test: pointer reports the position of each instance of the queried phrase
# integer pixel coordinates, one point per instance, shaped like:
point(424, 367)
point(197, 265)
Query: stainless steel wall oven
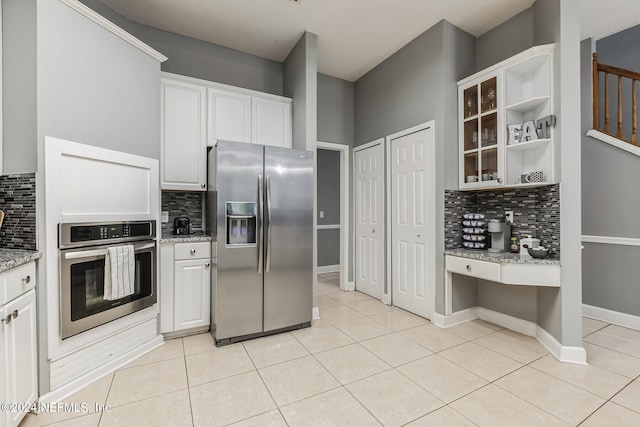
point(83, 250)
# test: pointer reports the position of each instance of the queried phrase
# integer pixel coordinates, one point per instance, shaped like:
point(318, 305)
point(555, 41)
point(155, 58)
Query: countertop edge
point(12, 258)
point(505, 258)
point(185, 239)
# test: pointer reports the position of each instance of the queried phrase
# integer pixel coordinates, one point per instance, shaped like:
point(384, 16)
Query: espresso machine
point(500, 232)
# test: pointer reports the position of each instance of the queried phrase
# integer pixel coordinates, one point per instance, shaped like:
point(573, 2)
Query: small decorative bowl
point(538, 252)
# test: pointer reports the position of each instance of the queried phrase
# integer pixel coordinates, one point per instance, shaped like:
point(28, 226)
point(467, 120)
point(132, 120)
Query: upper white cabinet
point(184, 145)
point(229, 116)
point(271, 122)
point(506, 123)
point(197, 113)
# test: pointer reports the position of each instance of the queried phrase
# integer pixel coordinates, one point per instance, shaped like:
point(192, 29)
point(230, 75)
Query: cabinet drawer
point(474, 268)
point(17, 281)
point(183, 251)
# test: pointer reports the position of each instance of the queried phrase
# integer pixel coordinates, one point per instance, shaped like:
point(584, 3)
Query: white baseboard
point(315, 313)
point(350, 286)
point(79, 383)
point(564, 353)
point(567, 354)
point(328, 269)
point(456, 318)
point(515, 324)
point(610, 316)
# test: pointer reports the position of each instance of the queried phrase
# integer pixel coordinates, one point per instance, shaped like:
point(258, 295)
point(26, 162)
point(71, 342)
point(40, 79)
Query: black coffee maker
point(181, 225)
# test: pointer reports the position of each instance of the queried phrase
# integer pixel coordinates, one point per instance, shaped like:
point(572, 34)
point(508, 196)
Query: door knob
point(373, 231)
point(418, 235)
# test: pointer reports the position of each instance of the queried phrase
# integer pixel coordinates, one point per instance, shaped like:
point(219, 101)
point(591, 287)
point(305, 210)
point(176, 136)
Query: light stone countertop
point(11, 258)
point(503, 258)
point(185, 238)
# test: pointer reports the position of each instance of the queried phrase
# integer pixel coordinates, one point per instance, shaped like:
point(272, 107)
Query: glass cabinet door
point(480, 131)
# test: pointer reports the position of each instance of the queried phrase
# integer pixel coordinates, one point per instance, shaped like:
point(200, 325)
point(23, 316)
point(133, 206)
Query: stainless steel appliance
point(83, 248)
point(181, 225)
point(500, 232)
point(260, 211)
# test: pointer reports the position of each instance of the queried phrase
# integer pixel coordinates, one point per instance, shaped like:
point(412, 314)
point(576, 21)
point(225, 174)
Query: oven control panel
point(85, 234)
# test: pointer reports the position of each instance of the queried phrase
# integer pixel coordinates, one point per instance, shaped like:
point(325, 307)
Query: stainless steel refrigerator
point(260, 211)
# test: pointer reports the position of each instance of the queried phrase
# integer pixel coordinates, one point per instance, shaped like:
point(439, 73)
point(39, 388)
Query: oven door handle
point(102, 252)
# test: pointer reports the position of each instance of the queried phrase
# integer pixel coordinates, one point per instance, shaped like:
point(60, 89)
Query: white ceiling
point(353, 35)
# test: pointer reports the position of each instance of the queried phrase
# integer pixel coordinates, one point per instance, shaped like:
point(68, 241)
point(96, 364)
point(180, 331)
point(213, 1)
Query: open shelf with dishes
point(507, 123)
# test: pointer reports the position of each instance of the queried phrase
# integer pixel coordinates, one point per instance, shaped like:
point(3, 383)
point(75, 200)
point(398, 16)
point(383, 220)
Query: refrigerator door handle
point(261, 231)
point(268, 260)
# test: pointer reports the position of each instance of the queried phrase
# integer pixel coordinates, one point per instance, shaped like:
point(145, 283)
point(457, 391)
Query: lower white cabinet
point(185, 287)
point(18, 355)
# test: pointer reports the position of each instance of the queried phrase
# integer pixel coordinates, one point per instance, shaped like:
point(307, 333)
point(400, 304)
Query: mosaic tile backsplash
point(536, 212)
point(18, 201)
point(183, 203)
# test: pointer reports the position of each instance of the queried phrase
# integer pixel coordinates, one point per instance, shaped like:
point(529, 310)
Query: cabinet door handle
point(26, 280)
point(203, 185)
point(14, 314)
point(207, 265)
point(7, 319)
point(193, 251)
point(500, 180)
point(468, 268)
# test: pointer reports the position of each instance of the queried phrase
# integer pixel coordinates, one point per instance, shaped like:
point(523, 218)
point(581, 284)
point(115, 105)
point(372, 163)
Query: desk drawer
point(474, 268)
point(194, 250)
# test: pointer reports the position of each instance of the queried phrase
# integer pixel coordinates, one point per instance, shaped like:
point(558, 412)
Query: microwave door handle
point(102, 252)
point(268, 261)
point(260, 218)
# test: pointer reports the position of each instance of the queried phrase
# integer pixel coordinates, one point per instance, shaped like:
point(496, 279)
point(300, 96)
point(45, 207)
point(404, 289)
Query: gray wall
point(415, 85)
point(19, 97)
point(300, 84)
point(328, 175)
point(336, 125)
point(609, 207)
point(93, 87)
point(505, 40)
point(196, 58)
point(75, 81)
point(335, 110)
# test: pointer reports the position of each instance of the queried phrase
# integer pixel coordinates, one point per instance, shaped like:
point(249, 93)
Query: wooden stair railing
point(620, 73)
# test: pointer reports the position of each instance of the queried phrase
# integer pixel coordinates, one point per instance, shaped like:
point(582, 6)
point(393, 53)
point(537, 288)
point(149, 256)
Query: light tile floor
point(364, 363)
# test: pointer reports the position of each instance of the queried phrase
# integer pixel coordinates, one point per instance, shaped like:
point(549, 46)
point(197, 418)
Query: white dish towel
point(119, 272)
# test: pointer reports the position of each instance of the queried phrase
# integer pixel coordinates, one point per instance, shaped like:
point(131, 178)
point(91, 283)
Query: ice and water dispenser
point(241, 223)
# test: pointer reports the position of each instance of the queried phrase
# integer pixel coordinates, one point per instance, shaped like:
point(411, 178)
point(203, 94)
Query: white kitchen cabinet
point(495, 107)
point(270, 122)
point(18, 371)
point(229, 116)
point(183, 162)
point(185, 283)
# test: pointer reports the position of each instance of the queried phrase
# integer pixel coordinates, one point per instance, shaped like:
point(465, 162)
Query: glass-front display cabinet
point(481, 122)
point(506, 123)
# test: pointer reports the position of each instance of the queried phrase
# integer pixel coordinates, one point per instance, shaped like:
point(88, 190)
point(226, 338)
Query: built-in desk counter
point(507, 268)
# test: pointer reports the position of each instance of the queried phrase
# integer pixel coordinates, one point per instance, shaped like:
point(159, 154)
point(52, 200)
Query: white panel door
point(270, 122)
point(229, 116)
point(370, 231)
point(410, 205)
point(192, 294)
